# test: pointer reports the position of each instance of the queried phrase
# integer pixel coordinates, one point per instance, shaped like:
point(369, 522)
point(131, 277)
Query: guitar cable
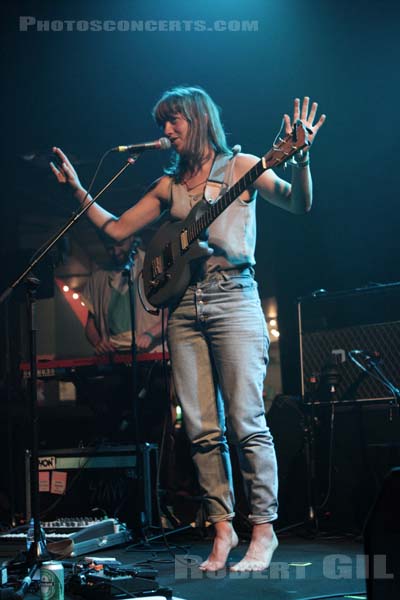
point(151, 311)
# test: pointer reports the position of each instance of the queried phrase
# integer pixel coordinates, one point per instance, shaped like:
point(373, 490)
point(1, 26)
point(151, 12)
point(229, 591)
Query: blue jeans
point(218, 342)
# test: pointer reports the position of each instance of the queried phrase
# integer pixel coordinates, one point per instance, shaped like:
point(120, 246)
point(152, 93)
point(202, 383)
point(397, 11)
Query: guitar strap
point(220, 175)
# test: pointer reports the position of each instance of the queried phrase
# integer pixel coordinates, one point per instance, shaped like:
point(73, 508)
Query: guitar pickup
point(157, 266)
point(161, 263)
point(184, 240)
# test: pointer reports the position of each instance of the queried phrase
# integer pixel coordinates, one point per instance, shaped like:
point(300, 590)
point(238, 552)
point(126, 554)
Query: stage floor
point(301, 568)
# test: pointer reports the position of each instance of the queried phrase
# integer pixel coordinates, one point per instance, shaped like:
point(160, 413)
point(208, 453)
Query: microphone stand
point(38, 552)
point(324, 387)
point(63, 230)
point(311, 520)
point(375, 371)
point(129, 272)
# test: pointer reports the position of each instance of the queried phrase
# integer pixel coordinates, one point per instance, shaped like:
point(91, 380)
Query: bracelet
point(84, 194)
point(300, 164)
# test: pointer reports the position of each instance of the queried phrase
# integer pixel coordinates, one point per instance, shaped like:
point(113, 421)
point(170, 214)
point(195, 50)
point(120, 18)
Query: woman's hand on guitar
point(307, 116)
point(64, 171)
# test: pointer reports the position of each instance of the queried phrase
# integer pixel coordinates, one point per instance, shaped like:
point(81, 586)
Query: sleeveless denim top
point(232, 235)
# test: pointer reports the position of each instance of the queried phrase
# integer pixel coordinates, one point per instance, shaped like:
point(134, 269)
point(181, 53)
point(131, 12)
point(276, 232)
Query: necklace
point(189, 188)
point(205, 166)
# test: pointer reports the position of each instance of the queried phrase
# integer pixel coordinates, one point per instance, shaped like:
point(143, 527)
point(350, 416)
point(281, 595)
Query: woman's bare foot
point(262, 546)
point(225, 539)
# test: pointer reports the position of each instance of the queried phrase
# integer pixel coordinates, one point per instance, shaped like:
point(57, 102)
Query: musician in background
point(217, 334)
point(109, 330)
point(106, 295)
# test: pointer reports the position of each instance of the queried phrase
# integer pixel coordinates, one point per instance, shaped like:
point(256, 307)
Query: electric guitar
point(174, 252)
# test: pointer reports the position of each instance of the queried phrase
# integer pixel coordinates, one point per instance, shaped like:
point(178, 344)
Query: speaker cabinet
point(331, 325)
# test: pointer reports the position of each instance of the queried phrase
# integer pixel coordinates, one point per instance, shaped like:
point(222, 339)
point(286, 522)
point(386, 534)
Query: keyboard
point(70, 537)
point(103, 364)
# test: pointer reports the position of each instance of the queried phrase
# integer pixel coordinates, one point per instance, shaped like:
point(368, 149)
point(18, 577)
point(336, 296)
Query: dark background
point(88, 91)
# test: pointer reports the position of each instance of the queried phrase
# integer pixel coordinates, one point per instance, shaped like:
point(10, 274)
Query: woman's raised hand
point(306, 116)
point(64, 171)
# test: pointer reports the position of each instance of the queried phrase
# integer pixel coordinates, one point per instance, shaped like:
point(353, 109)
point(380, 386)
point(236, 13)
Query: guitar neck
point(214, 210)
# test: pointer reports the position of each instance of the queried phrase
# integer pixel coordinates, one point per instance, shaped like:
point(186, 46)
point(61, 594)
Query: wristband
point(300, 160)
point(84, 194)
point(301, 165)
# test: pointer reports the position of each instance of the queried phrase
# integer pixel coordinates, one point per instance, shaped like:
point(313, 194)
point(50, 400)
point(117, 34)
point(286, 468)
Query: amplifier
point(103, 477)
point(332, 324)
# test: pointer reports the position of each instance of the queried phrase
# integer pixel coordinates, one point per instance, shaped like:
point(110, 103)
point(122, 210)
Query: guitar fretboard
point(214, 210)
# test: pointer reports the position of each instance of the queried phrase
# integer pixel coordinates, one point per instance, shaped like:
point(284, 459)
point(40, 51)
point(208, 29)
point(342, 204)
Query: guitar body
point(168, 268)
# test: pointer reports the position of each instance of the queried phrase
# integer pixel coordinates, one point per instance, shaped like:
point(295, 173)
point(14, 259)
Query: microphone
point(365, 354)
point(161, 144)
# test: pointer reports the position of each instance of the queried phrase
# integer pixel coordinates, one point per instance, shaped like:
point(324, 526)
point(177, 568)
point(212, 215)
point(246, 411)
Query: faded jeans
point(218, 342)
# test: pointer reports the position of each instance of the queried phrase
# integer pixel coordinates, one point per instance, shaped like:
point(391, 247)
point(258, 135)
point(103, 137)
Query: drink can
point(52, 580)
